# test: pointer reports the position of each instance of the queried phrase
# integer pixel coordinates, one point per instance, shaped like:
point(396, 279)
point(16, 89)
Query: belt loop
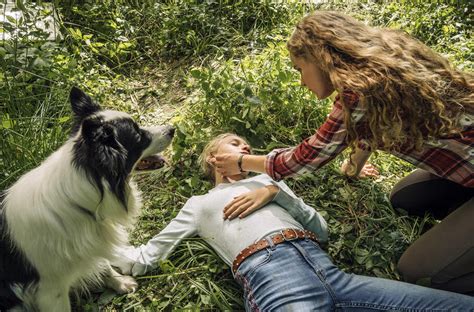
point(270, 242)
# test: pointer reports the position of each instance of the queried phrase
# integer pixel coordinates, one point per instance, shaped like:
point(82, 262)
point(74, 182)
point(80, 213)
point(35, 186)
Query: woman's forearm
point(356, 162)
point(254, 163)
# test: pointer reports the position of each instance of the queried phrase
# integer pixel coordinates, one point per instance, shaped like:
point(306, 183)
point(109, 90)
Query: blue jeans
point(299, 276)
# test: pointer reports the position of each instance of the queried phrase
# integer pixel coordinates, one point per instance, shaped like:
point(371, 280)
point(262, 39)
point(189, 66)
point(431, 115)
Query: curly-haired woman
point(397, 95)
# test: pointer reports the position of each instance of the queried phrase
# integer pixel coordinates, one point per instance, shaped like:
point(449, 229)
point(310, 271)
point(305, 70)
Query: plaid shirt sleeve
point(315, 151)
point(449, 157)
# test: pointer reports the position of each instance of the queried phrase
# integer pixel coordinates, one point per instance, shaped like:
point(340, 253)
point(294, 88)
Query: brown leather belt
point(284, 235)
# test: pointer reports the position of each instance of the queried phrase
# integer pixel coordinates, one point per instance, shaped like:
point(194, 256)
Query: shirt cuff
point(125, 258)
point(270, 165)
point(131, 261)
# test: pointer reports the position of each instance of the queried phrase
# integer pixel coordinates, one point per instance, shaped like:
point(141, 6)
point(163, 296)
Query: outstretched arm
point(311, 154)
point(140, 260)
point(328, 141)
point(227, 164)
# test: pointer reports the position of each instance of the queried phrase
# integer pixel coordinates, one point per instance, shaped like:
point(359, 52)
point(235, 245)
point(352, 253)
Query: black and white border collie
point(62, 222)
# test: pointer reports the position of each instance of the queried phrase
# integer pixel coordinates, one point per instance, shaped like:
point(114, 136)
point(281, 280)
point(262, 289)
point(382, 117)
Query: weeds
point(224, 64)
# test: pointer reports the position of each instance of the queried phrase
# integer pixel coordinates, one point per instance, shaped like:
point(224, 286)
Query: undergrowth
point(207, 67)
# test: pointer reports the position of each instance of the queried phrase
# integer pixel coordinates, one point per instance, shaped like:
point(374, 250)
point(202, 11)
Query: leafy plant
point(229, 62)
point(200, 29)
point(104, 31)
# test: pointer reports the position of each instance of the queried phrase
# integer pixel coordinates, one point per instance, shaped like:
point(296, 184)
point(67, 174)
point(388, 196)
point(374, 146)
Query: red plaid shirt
point(451, 158)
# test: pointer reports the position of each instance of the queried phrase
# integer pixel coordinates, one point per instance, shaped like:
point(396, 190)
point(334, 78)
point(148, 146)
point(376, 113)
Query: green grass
point(208, 70)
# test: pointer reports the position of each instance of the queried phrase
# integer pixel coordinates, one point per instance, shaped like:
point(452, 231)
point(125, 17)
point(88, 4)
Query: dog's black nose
point(171, 131)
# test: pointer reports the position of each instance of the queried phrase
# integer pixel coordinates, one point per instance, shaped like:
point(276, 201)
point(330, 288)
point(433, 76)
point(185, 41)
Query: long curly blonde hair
point(410, 92)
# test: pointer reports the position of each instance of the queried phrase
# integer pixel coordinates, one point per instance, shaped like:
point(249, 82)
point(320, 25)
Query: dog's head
point(108, 144)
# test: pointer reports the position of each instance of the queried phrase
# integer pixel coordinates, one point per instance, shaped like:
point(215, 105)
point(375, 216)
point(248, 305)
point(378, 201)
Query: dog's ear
point(107, 156)
point(82, 105)
point(95, 130)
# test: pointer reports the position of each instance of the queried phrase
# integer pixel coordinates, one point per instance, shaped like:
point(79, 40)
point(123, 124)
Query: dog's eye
point(141, 133)
point(145, 136)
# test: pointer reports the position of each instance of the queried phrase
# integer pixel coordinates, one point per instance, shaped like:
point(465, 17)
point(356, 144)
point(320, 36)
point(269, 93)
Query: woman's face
point(234, 145)
point(313, 78)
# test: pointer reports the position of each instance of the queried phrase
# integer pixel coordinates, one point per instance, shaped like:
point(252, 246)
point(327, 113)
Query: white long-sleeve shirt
point(203, 216)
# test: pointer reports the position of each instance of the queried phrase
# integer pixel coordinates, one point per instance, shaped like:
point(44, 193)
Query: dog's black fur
point(107, 149)
point(14, 267)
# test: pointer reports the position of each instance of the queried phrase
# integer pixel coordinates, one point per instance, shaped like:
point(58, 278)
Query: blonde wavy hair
point(410, 92)
point(209, 150)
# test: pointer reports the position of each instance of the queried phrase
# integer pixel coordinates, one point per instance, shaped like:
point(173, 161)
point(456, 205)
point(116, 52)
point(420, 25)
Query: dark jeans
point(444, 255)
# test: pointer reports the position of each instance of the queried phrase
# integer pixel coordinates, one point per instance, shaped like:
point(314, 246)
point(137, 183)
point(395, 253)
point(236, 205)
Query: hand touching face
point(225, 159)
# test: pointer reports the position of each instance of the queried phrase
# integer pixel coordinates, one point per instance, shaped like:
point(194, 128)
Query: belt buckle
point(284, 238)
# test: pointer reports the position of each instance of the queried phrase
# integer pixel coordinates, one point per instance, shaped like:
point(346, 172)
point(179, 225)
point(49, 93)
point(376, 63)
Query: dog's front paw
point(123, 284)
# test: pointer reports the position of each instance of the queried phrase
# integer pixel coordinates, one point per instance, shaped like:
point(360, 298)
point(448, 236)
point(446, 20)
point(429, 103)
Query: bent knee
point(414, 206)
point(409, 270)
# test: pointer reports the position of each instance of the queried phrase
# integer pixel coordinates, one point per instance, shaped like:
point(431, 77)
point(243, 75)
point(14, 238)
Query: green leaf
point(7, 123)
point(39, 62)
point(124, 45)
point(238, 119)
point(206, 299)
point(166, 266)
point(19, 4)
point(11, 19)
point(248, 92)
point(64, 119)
point(346, 228)
point(196, 73)
point(163, 304)
point(245, 112)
